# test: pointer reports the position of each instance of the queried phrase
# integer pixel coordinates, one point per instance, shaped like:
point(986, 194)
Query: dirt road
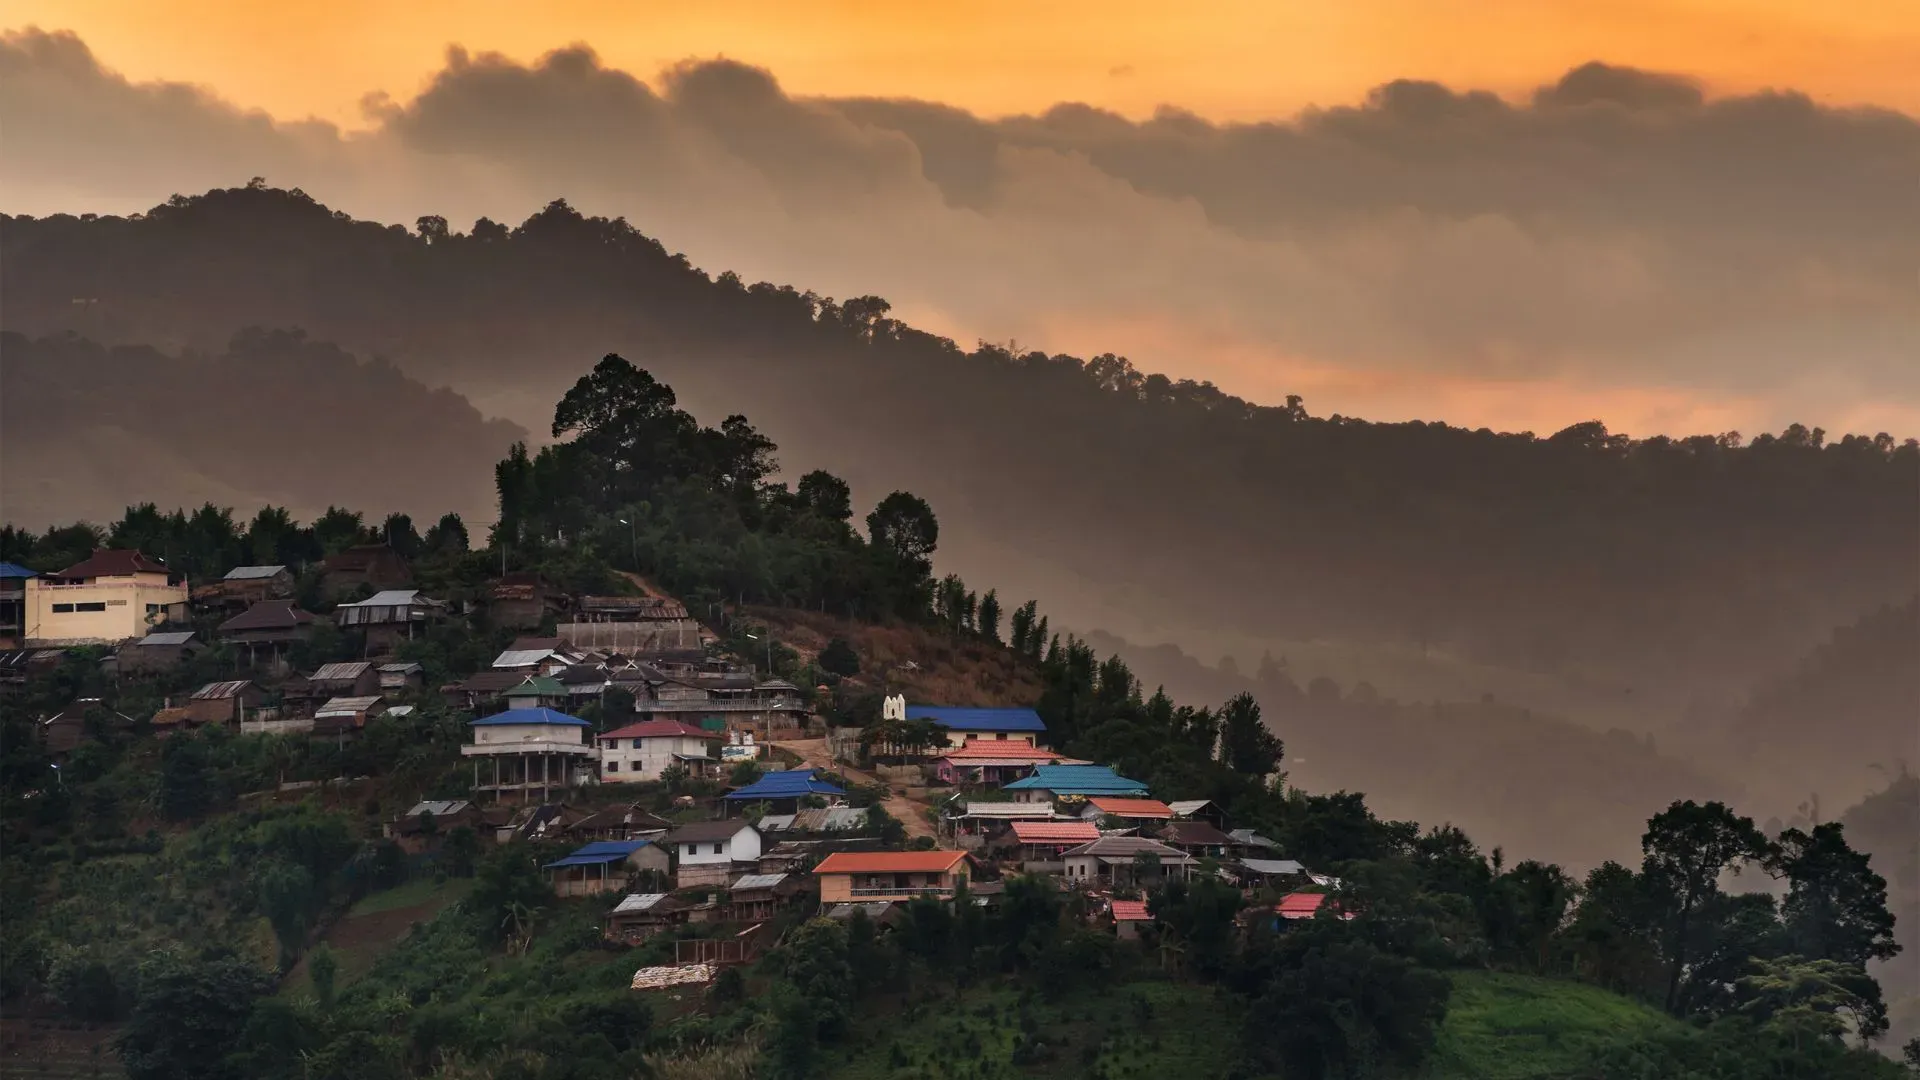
point(908, 812)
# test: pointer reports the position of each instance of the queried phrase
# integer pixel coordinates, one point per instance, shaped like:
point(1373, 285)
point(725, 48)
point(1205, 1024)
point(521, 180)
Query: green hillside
point(1521, 1027)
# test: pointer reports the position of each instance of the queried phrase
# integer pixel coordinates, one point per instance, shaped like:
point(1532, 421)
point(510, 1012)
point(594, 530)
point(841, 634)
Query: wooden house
point(157, 652)
point(523, 600)
point(605, 866)
point(372, 566)
point(268, 631)
point(390, 617)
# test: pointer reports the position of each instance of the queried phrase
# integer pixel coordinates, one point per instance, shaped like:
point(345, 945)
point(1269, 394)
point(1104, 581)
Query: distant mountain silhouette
point(1121, 499)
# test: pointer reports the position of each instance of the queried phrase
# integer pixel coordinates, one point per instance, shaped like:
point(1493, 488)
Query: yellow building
point(113, 596)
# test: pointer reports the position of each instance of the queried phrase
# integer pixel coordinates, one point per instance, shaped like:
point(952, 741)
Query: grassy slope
point(1517, 1027)
point(960, 673)
point(1179, 1031)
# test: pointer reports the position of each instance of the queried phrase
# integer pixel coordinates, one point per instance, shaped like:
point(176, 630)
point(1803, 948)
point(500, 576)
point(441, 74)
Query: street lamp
point(57, 774)
point(633, 540)
point(769, 639)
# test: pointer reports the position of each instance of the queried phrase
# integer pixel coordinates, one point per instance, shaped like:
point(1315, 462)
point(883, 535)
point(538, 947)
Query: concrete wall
point(126, 603)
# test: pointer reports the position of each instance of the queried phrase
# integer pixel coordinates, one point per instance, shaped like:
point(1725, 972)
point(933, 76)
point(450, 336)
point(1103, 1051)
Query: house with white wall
point(705, 852)
point(642, 751)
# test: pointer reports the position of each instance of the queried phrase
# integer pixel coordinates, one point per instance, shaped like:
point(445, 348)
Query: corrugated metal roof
point(1063, 832)
point(1194, 834)
point(1273, 866)
point(1252, 839)
point(15, 570)
point(791, 784)
point(400, 710)
point(966, 719)
point(1299, 905)
point(214, 691)
point(1127, 847)
point(600, 852)
point(252, 573)
point(388, 598)
point(519, 658)
point(1078, 780)
point(1186, 807)
point(170, 637)
point(757, 881)
point(399, 669)
point(776, 822)
point(889, 862)
point(530, 716)
point(660, 729)
point(346, 671)
point(345, 706)
point(639, 902)
point(1131, 808)
point(438, 807)
point(1022, 753)
point(830, 819)
point(538, 686)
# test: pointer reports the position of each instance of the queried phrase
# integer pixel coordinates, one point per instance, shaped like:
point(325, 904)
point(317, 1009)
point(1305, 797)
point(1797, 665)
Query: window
point(63, 609)
point(153, 609)
point(613, 766)
point(1000, 735)
point(98, 605)
point(693, 849)
point(636, 744)
point(717, 849)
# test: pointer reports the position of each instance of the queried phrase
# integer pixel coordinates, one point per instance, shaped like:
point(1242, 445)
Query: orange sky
point(1234, 59)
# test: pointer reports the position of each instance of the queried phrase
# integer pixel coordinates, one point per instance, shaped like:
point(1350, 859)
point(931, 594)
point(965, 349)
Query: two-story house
point(112, 596)
point(642, 751)
point(530, 751)
point(268, 631)
point(388, 618)
point(13, 603)
point(706, 852)
point(863, 877)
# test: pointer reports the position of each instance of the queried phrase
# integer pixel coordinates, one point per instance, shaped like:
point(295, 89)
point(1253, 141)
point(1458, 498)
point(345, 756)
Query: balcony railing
point(903, 890)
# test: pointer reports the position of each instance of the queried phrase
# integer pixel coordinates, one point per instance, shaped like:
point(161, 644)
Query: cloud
point(1619, 239)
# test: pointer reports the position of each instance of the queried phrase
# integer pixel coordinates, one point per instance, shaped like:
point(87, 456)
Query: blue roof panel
point(598, 852)
point(15, 570)
point(962, 719)
point(1078, 780)
point(790, 784)
point(531, 716)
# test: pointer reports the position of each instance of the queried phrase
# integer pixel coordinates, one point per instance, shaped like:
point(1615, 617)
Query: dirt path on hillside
point(910, 813)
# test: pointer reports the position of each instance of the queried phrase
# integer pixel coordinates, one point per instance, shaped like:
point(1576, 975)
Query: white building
point(705, 853)
point(642, 751)
point(531, 750)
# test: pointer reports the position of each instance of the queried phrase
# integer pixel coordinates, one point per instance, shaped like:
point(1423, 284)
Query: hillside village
point(760, 830)
point(682, 775)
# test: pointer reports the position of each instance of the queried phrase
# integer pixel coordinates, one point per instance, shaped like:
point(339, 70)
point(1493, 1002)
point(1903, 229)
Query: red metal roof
point(114, 562)
point(1302, 905)
point(890, 862)
point(660, 729)
point(1132, 808)
point(1130, 911)
point(1063, 832)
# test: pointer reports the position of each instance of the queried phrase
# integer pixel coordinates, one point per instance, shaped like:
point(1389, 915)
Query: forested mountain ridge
point(1705, 560)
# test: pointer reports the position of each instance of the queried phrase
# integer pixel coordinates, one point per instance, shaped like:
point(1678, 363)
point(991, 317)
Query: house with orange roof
point(1129, 916)
point(1039, 843)
point(1126, 813)
point(990, 763)
point(867, 877)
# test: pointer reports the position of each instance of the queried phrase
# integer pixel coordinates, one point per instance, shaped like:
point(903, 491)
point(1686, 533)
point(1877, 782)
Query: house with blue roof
point(1050, 782)
point(785, 790)
point(964, 725)
point(606, 866)
point(530, 751)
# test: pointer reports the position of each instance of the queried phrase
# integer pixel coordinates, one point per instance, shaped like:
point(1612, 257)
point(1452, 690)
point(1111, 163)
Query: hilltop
point(1681, 564)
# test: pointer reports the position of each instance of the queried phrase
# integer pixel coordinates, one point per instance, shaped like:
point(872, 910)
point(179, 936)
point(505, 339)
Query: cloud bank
point(1622, 244)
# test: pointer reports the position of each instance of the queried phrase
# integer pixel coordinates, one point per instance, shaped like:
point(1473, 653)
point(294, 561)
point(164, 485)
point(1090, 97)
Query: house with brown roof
point(64, 731)
point(268, 630)
point(639, 916)
point(1120, 861)
point(229, 702)
point(629, 822)
point(860, 877)
point(346, 678)
point(114, 595)
point(373, 566)
point(522, 600)
point(1196, 838)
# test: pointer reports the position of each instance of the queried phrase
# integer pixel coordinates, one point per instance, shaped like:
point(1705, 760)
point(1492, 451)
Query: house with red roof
point(1039, 843)
point(643, 751)
point(114, 595)
point(1129, 916)
point(868, 877)
point(992, 762)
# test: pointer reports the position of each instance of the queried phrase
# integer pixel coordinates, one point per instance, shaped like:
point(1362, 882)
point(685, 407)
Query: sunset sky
point(1400, 208)
point(1234, 60)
